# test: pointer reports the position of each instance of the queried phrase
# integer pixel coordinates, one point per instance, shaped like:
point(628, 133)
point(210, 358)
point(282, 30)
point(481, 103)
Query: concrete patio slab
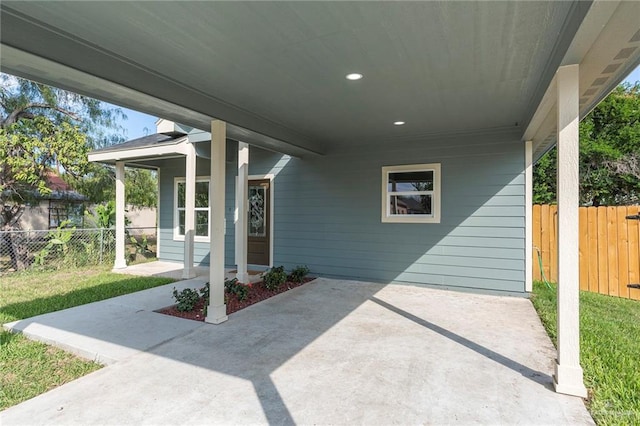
point(174, 270)
point(333, 352)
point(111, 330)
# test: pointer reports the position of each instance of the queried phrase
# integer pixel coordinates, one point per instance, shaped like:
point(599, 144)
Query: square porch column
point(189, 211)
point(120, 261)
point(242, 194)
point(217, 310)
point(528, 215)
point(568, 377)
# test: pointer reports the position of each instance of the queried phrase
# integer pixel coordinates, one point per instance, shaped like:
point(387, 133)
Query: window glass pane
point(202, 223)
point(413, 204)
point(181, 188)
point(202, 194)
point(181, 217)
point(256, 211)
point(410, 181)
point(76, 214)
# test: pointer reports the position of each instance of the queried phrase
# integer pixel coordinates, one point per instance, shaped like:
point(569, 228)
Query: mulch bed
point(257, 293)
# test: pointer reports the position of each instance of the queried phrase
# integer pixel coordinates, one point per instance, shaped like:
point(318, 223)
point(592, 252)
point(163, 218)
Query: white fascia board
point(546, 105)
point(148, 152)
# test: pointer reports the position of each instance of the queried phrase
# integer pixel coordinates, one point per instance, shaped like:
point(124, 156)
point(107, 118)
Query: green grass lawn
point(29, 368)
point(609, 350)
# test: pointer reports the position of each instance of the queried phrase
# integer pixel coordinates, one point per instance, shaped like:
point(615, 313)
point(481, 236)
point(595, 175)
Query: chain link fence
point(59, 248)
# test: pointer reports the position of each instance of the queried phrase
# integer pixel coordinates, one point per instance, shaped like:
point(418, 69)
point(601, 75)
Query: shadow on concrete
point(534, 375)
point(334, 350)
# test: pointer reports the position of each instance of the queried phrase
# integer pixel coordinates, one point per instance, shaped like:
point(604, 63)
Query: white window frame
point(434, 217)
point(176, 216)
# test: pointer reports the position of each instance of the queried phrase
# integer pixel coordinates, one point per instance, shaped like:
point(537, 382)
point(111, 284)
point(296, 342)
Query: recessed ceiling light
point(354, 76)
point(398, 123)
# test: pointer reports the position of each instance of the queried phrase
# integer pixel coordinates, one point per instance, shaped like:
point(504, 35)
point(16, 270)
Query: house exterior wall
point(327, 214)
point(172, 249)
point(36, 216)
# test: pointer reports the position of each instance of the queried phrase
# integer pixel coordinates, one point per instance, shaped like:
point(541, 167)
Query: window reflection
point(410, 181)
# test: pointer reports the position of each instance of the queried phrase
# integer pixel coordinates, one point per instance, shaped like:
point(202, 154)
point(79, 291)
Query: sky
point(139, 124)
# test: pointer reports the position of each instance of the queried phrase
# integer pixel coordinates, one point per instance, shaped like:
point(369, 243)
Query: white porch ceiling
point(275, 70)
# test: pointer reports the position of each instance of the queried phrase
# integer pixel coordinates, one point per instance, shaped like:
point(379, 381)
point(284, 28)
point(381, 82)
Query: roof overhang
point(33, 67)
point(164, 151)
point(607, 24)
point(274, 71)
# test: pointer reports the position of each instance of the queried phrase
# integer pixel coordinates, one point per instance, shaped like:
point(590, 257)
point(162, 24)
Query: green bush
point(186, 299)
point(234, 287)
point(298, 274)
point(274, 278)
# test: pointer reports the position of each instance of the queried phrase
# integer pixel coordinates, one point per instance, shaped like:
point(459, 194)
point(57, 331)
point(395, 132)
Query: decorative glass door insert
point(257, 204)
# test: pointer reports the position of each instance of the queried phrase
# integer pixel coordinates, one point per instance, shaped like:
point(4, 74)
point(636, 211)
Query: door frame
point(269, 177)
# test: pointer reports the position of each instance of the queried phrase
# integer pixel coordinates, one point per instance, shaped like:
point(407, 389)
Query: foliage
point(28, 151)
point(239, 289)
point(58, 243)
point(274, 278)
point(609, 327)
point(141, 186)
point(204, 292)
point(141, 246)
point(43, 127)
point(29, 368)
point(609, 154)
point(187, 299)
point(298, 274)
point(105, 215)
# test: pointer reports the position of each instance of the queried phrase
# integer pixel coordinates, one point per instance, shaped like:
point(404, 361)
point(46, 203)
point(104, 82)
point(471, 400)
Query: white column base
point(568, 380)
point(120, 264)
point(187, 275)
point(242, 277)
point(216, 314)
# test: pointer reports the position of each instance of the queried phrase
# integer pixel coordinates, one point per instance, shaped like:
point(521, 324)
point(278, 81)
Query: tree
point(609, 154)
point(42, 127)
point(141, 186)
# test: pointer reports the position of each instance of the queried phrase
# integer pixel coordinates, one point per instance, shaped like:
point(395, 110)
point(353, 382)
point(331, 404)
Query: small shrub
point(204, 292)
point(274, 278)
point(231, 287)
point(186, 299)
point(298, 274)
point(234, 287)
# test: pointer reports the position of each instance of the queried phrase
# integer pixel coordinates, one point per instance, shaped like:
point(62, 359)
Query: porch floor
point(329, 352)
point(174, 270)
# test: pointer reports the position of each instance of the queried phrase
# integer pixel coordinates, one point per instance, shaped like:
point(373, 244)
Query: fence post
point(101, 243)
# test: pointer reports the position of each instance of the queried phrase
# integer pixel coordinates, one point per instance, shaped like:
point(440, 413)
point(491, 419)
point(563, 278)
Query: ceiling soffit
point(277, 69)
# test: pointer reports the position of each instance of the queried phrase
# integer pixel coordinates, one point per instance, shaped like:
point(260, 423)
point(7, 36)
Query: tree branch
point(19, 112)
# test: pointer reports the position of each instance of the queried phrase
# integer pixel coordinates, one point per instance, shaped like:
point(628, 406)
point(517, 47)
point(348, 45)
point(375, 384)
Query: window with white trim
point(202, 209)
point(411, 193)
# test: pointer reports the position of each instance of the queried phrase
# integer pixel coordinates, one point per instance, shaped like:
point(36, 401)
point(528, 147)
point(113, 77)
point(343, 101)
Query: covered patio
point(484, 88)
point(329, 352)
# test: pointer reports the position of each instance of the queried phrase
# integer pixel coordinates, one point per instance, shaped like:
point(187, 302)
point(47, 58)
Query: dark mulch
point(257, 293)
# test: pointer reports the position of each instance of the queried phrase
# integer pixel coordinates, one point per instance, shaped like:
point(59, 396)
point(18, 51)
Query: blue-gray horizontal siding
point(173, 250)
point(327, 215)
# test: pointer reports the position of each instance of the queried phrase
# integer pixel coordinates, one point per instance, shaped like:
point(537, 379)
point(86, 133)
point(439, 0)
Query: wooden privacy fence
point(609, 248)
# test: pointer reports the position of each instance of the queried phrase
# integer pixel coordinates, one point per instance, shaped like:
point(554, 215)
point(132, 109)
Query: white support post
point(189, 211)
point(217, 310)
point(158, 248)
point(568, 377)
point(242, 194)
point(528, 216)
point(120, 262)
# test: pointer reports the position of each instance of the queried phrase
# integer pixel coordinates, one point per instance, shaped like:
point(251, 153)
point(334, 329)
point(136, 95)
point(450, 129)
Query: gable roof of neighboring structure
point(60, 190)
